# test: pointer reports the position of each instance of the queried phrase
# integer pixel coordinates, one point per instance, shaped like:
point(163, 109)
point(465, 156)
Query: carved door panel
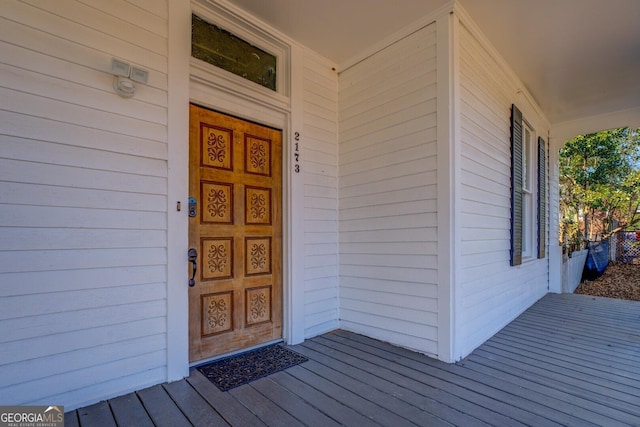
point(236, 178)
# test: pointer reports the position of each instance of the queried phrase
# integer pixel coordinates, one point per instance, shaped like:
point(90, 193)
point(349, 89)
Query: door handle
point(193, 259)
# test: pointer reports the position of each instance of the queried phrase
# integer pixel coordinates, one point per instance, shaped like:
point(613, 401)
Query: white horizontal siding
point(388, 256)
point(320, 151)
point(61, 21)
point(83, 206)
point(74, 280)
point(491, 293)
point(51, 130)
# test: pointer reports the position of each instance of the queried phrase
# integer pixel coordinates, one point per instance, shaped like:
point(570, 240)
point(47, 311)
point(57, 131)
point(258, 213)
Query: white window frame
point(244, 28)
point(529, 191)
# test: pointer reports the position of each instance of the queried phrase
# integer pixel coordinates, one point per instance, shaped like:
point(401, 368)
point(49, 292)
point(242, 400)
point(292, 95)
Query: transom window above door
point(225, 50)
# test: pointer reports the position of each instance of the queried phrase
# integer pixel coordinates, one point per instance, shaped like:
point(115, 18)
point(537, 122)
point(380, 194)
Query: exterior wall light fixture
point(124, 76)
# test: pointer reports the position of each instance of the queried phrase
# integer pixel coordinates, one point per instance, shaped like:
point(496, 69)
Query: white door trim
point(177, 188)
point(191, 80)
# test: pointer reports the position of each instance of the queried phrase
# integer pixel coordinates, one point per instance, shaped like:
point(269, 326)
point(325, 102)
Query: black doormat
point(246, 367)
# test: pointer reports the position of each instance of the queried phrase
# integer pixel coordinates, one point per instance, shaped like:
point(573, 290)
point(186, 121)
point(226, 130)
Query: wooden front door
point(235, 177)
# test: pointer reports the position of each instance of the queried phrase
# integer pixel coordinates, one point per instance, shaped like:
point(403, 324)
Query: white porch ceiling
point(578, 58)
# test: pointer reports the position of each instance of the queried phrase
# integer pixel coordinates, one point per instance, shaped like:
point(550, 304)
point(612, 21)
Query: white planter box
point(572, 270)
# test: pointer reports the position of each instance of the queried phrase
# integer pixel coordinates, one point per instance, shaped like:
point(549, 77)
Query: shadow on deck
point(569, 360)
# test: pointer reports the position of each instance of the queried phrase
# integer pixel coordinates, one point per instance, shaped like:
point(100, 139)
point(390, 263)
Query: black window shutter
point(516, 186)
point(542, 197)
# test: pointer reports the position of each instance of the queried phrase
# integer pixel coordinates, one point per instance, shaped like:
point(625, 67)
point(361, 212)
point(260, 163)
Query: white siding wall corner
point(319, 141)
point(83, 206)
point(448, 131)
point(491, 292)
point(387, 193)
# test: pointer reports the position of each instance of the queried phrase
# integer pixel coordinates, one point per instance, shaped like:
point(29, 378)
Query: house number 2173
point(296, 152)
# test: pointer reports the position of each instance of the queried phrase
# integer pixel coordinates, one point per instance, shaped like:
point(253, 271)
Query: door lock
point(193, 259)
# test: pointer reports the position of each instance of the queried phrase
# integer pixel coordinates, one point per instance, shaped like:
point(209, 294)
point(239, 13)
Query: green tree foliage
point(599, 183)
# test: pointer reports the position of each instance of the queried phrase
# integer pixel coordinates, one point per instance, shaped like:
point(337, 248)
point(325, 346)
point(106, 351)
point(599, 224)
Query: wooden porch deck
point(569, 360)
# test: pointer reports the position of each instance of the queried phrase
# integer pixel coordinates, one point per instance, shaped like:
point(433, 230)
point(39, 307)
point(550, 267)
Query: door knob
point(193, 259)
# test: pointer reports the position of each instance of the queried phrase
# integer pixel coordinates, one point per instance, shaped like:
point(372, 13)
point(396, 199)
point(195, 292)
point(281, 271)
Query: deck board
point(577, 403)
point(161, 408)
point(445, 394)
point(612, 367)
point(600, 341)
point(266, 409)
point(566, 367)
point(293, 404)
point(368, 409)
point(388, 382)
point(604, 367)
point(604, 345)
point(397, 411)
point(71, 419)
point(233, 411)
point(128, 411)
point(193, 405)
point(342, 414)
point(98, 414)
point(438, 373)
point(537, 371)
point(569, 360)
